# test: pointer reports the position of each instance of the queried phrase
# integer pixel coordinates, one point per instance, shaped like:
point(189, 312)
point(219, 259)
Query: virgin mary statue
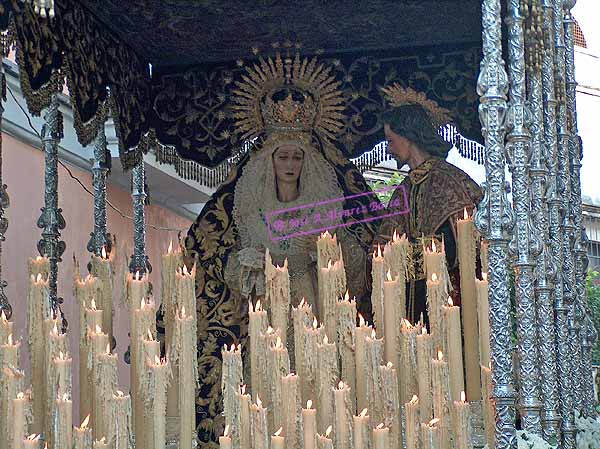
point(289, 110)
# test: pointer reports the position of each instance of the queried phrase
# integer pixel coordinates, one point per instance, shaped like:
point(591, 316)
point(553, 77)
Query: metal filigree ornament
point(44, 8)
point(396, 96)
point(288, 95)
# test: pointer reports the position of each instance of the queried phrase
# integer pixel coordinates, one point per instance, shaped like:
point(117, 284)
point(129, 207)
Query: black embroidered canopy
point(170, 64)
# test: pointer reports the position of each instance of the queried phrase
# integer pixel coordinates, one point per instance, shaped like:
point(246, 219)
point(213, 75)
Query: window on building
point(592, 229)
point(579, 37)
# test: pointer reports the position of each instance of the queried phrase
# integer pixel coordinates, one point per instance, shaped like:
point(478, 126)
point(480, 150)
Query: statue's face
point(287, 162)
point(399, 146)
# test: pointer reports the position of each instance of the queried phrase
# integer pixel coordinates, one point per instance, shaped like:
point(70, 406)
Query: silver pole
point(4, 203)
point(99, 238)
point(139, 260)
point(495, 220)
point(523, 245)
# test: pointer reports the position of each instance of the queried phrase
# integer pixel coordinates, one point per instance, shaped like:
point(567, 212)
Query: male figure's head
point(412, 137)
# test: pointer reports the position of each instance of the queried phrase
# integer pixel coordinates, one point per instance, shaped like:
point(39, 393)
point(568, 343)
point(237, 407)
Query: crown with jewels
point(289, 114)
point(396, 96)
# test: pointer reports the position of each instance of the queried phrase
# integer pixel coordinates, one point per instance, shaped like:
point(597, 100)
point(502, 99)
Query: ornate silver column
point(99, 238)
point(495, 219)
point(563, 302)
point(139, 259)
point(4, 202)
point(575, 153)
point(544, 270)
point(523, 246)
point(51, 219)
point(554, 266)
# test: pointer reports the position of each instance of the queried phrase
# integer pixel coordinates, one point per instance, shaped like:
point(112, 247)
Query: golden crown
point(396, 96)
point(288, 114)
point(320, 110)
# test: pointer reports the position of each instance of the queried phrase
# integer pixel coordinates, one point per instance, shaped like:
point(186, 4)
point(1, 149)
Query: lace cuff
point(244, 272)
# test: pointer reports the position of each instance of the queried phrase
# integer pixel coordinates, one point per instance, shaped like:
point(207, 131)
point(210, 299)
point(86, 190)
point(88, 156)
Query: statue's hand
point(252, 258)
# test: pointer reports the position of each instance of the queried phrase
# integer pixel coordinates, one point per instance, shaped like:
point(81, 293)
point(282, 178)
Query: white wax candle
point(346, 337)
point(361, 430)
point(430, 435)
point(483, 309)
point(120, 426)
point(424, 354)
point(291, 410)
point(6, 327)
point(63, 439)
point(362, 332)
point(31, 442)
point(260, 434)
point(462, 427)
point(454, 345)
point(441, 397)
point(343, 412)
point(408, 361)
point(258, 323)
point(324, 442)
point(19, 425)
point(277, 441)
point(225, 440)
point(381, 437)
point(413, 430)
point(327, 373)
point(82, 435)
point(309, 424)
point(392, 316)
point(378, 275)
point(245, 420)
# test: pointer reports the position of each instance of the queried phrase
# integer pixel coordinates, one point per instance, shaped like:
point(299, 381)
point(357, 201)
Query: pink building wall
point(23, 172)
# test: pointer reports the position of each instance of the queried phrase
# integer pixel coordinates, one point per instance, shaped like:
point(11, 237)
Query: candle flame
point(278, 432)
point(85, 422)
point(378, 250)
point(433, 246)
point(309, 404)
point(389, 365)
point(463, 396)
point(108, 348)
point(440, 355)
point(170, 248)
point(329, 265)
point(20, 395)
point(65, 397)
point(156, 360)
point(315, 323)
point(3, 316)
point(270, 330)
point(258, 306)
point(302, 302)
point(39, 277)
point(226, 432)
point(346, 296)
point(484, 276)
point(10, 340)
point(373, 334)
point(434, 421)
point(389, 275)
point(450, 302)
point(465, 214)
point(328, 431)
point(33, 437)
point(185, 270)
point(55, 329)
point(414, 399)
point(361, 320)
point(379, 426)
point(142, 303)
point(278, 342)
point(424, 330)
point(137, 275)
point(258, 401)
point(103, 253)
point(61, 355)
point(434, 277)
point(120, 393)
point(394, 236)
point(325, 340)
point(363, 413)
point(93, 304)
point(150, 337)
point(243, 389)
point(341, 385)
point(98, 329)
point(102, 440)
point(182, 311)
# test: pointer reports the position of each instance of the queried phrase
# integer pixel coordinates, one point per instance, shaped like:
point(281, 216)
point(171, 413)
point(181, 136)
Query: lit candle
point(424, 354)
point(138, 287)
point(9, 352)
point(245, 432)
point(55, 343)
point(279, 367)
point(391, 401)
point(327, 249)
point(462, 427)
point(98, 341)
point(309, 425)
point(484, 255)
point(381, 437)
point(436, 298)
point(483, 309)
point(362, 332)
point(411, 409)
point(171, 262)
point(430, 435)
point(82, 435)
point(157, 391)
point(258, 323)
point(409, 385)
point(267, 341)
point(105, 383)
point(455, 352)
point(39, 265)
point(6, 327)
point(378, 274)
point(332, 285)
point(277, 294)
point(101, 443)
point(343, 412)
point(312, 336)
point(277, 441)
point(395, 254)
point(466, 249)
point(324, 442)
point(63, 373)
point(31, 442)
point(102, 268)
point(292, 410)
point(441, 397)
point(121, 425)
point(392, 318)
point(260, 435)
point(346, 337)
point(19, 426)
point(225, 440)
point(63, 438)
point(374, 358)
point(434, 259)
point(328, 372)
point(90, 319)
point(302, 317)
point(361, 435)
point(231, 379)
